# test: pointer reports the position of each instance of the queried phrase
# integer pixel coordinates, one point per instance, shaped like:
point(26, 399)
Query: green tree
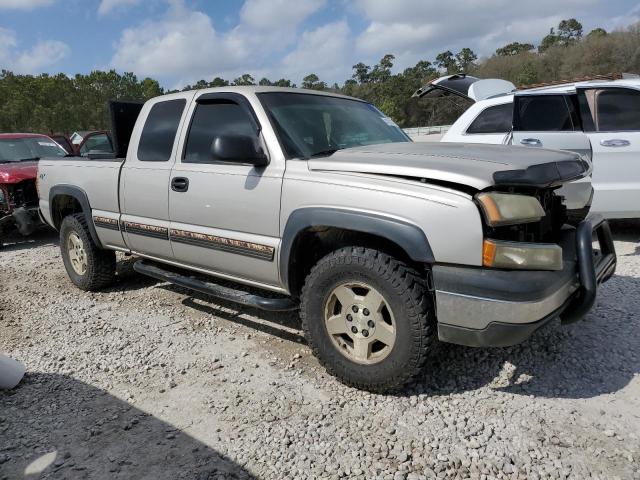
point(382, 71)
point(569, 31)
point(265, 82)
point(312, 82)
point(597, 33)
point(514, 48)
point(219, 82)
point(447, 62)
point(361, 72)
point(465, 59)
point(284, 83)
point(245, 79)
point(549, 41)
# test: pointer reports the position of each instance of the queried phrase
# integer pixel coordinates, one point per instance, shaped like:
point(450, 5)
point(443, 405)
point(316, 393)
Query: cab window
point(159, 132)
point(211, 119)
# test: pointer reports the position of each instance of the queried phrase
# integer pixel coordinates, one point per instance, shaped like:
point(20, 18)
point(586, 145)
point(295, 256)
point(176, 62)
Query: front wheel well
point(313, 243)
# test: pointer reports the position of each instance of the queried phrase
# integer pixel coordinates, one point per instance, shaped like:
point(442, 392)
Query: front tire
point(89, 267)
point(368, 318)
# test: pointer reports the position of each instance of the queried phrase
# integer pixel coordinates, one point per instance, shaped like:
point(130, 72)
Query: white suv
point(597, 118)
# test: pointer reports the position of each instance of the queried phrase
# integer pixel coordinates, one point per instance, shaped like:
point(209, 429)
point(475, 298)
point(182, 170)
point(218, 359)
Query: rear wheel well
point(62, 206)
point(313, 243)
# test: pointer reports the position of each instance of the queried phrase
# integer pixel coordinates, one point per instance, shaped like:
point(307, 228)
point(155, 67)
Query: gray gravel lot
point(146, 380)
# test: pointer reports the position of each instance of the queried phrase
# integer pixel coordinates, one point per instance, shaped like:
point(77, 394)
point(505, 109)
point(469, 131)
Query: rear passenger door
point(611, 117)
point(549, 120)
point(225, 215)
point(144, 181)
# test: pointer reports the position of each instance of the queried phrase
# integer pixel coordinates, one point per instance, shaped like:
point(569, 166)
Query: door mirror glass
point(238, 149)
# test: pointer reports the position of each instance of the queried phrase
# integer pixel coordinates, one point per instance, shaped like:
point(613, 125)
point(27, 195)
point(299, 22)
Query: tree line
point(63, 104)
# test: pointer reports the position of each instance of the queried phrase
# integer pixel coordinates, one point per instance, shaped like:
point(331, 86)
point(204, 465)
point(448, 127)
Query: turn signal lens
point(509, 209)
point(525, 256)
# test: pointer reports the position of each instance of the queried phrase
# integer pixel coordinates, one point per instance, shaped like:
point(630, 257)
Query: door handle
point(615, 142)
point(531, 142)
point(179, 184)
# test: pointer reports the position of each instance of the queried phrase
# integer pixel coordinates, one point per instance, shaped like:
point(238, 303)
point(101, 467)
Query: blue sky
point(181, 41)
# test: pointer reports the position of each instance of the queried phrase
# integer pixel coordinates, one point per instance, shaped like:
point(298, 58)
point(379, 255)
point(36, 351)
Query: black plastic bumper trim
point(592, 270)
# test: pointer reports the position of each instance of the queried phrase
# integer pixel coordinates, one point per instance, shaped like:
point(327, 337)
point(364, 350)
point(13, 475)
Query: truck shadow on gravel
point(53, 426)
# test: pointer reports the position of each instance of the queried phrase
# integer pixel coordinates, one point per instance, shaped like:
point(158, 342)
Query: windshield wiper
point(32, 159)
point(324, 153)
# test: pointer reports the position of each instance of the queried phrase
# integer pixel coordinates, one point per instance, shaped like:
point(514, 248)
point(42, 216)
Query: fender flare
point(82, 198)
point(408, 236)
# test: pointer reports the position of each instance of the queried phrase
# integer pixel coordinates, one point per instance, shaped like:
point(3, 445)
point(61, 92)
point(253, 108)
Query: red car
point(19, 155)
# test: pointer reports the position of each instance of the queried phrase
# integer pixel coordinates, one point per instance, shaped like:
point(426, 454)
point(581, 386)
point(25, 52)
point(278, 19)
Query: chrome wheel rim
point(77, 253)
point(360, 323)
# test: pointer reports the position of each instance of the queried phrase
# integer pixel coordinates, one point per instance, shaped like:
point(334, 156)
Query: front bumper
point(483, 307)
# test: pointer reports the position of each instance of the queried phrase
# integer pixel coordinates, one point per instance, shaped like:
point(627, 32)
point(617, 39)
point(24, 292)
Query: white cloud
point(424, 27)
point(23, 4)
point(323, 51)
point(42, 55)
point(184, 43)
point(277, 14)
point(108, 6)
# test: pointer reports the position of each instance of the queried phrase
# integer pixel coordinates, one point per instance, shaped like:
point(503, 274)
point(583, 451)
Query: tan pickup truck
point(320, 201)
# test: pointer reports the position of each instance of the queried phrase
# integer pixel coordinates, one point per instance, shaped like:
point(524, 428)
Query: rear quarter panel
point(98, 180)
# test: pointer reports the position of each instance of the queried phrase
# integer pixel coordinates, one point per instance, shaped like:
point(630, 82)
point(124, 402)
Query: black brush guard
point(594, 267)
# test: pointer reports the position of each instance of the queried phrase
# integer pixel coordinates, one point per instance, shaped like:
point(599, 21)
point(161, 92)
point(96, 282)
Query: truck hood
point(472, 165)
point(18, 171)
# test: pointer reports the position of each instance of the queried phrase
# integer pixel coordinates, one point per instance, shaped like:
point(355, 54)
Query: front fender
point(409, 237)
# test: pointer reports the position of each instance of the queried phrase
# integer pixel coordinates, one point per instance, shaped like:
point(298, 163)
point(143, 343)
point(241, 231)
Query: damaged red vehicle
point(19, 155)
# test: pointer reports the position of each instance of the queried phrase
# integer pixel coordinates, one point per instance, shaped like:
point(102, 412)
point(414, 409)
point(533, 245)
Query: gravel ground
point(146, 380)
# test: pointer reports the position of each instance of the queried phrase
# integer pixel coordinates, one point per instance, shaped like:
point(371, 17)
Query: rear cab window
point(159, 131)
point(494, 119)
point(546, 113)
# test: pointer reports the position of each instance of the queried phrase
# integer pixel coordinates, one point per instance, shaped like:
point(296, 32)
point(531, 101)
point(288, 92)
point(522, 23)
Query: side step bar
point(279, 304)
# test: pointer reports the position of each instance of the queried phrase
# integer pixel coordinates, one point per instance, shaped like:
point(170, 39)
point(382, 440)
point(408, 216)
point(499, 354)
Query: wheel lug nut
point(355, 309)
point(349, 317)
point(354, 329)
point(371, 324)
point(366, 312)
point(365, 333)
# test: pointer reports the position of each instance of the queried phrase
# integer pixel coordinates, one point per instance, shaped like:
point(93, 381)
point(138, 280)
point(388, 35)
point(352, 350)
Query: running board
point(279, 304)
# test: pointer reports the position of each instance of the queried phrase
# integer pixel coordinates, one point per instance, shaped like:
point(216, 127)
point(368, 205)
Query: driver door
point(224, 216)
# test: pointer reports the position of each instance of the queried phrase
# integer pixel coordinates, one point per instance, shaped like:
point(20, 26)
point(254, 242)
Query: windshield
point(313, 125)
point(29, 148)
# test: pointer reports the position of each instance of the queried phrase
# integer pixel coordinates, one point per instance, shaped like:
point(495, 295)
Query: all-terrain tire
point(406, 293)
point(100, 265)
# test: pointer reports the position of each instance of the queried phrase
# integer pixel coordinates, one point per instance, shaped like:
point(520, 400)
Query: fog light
point(518, 255)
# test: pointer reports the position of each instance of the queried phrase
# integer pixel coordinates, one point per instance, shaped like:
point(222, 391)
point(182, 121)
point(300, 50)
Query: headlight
point(509, 209)
point(518, 255)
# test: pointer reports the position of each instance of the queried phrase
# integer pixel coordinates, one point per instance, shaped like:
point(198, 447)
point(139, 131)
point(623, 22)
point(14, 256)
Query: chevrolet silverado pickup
point(319, 202)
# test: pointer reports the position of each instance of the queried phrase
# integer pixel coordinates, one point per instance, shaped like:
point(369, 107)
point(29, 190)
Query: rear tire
point(368, 318)
point(88, 266)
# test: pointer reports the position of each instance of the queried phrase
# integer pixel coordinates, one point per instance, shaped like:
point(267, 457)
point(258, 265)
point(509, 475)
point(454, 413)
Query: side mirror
point(238, 149)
